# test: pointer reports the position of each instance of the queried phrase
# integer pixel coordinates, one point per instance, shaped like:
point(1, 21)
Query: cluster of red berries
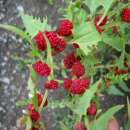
point(78, 85)
point(35, 115)
point(118, 71)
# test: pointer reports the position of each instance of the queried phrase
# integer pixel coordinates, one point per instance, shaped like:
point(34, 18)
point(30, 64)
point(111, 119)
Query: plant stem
point(43, 100)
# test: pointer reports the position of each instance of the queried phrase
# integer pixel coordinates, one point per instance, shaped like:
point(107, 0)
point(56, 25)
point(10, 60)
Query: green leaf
point(28, 123)
point(88, 39)
point(23, 102)
point(115, 42)
point(84, 101)
point(34, 99)
point(31, 86)
point(113, 90)
point(94, 4)
point(34, 25)
point(50, 2)
point(127, 127)
point(63, 127)
point(101, 122)
point(124, 86)
point(17, 31)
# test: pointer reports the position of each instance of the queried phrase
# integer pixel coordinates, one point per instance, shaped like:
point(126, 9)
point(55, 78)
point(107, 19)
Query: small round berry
point(60, 46)
point(96, 20)
point(65, 28)
point(40, 41)
point(67, 84)
point(75, 45)
point(92, 110)
point(52, 84)
point(30, 107)
point(125, 15)
point(78, 69)
point(69, 60)
point(79, 86)
point(79, 126)
point(42, 68)
point(35, 116)
point(34, 128)
point(53, 38)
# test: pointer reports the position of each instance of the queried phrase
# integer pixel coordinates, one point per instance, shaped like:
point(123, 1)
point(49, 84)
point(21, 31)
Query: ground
point(12, 79)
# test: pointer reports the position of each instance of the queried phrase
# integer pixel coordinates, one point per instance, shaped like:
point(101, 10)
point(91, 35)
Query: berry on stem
point(79, 126)
point(69, 60)
point(52, 84)
point(92, 110)
point(78, 69)
point(65, 28)
point(40, 41)
point(125, 15)
point(42, 68)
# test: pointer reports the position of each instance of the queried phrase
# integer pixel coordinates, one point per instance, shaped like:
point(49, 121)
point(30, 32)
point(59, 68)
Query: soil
point(12, 79)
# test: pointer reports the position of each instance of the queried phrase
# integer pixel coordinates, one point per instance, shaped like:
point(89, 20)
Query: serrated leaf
point(34, 25)
point(101, 122)
point(115, 42)
point(94, 4)
point(84, 101)
point(114, 91)
point(88, 39)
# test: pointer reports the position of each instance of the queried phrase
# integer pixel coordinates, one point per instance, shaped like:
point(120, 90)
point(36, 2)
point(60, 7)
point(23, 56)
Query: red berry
point(53, 38)
point(60, 46)
point(65, 28)
point(75, 45)
point(35, 116)
point(40, 41)
point(30, 107)
point(78, 69)
point(79, 126)
point(42, 68)
point(52, 84)
point(125, 15)
point(39, 100)
point(92, 110)
point(34, 128)
point(69, 60)
point(96, 20)
point(79, 86)
point(67, 84)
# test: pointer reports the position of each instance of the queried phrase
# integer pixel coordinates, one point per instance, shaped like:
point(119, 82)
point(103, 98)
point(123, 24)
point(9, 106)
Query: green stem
point(16, 30)
point(43, 100)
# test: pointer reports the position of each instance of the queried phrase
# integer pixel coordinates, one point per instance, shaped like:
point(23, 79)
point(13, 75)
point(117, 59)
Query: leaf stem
point(43, 100)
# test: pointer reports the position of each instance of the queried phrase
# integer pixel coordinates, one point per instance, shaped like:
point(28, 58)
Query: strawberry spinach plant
point(98, 35)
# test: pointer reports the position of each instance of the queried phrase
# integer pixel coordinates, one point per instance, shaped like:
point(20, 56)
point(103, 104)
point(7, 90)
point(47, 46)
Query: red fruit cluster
point(69, 60)
point(117, 71)
point(42, 68)
point(35, 116)
point(79, 126)
point(92, 109)
point(65, 28)
point(40, 41)
point(34, 128)
point(125, 15)
point(52, 84)
point(76, 86)
point(98, 27)
point(78, 69)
